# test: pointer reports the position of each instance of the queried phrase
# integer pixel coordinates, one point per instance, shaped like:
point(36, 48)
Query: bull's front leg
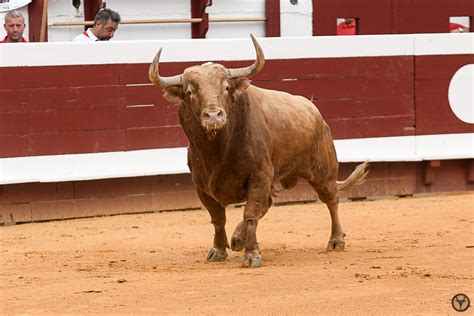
point(218, 218)
point(259, 200)
point(239, 237)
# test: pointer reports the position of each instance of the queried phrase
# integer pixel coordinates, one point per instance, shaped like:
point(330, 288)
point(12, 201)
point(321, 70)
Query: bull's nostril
point(220, 114)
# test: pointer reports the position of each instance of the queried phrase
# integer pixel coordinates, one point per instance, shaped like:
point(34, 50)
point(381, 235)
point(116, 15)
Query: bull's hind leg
point(336, 241)
point(329, 195)
point(218, 218)
point(239, 237)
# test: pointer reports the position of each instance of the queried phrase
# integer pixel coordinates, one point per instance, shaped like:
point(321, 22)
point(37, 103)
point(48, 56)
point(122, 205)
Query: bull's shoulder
point(282, 104)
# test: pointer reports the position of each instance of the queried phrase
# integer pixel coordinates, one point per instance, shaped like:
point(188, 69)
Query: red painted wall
point(432, 77)
point(390, 16)
point(64, 110)
point(428, 16)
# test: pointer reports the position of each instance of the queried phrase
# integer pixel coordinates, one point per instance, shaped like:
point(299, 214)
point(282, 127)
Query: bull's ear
point(174, 93)
point(239, 86)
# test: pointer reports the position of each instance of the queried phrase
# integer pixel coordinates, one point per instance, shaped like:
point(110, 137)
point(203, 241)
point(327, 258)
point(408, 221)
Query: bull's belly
point(227, 196)
point(228, 191)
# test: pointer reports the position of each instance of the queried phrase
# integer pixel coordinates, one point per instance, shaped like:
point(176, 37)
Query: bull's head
point(207, 91)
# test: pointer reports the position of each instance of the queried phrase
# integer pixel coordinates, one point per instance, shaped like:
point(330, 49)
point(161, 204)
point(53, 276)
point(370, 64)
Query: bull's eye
point(227, 88)
point(190, 93)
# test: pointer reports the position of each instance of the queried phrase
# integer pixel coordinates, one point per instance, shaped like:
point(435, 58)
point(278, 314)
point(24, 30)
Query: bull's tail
point(356, 177)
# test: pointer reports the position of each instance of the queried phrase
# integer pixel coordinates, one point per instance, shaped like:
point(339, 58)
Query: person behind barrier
point(457, 28)
point(347, 27)
point(105, 24)
point(14, 26)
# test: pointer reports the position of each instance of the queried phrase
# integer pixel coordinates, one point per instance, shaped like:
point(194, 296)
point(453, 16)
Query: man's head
point(105, 24)
point(14, 26)
point(349, 21)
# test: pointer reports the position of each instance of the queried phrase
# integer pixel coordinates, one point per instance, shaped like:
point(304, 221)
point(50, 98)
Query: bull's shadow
point(243, 140)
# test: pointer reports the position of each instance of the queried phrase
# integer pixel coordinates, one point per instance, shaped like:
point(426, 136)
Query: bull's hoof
point(336, 245)
point(252, 259)
point(216, 255)
point(237, 243)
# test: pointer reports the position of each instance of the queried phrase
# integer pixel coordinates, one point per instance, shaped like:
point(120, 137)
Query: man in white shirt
point(105, 24)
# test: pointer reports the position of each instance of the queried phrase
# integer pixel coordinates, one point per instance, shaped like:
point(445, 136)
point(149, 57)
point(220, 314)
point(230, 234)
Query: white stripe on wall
point(444, 44)
point(199, 50)
point(173, 160)
point(448, 146)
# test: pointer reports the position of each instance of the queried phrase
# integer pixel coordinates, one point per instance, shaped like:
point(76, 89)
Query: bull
point(243, 141)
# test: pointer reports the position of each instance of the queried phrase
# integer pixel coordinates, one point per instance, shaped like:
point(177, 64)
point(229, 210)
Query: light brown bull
point(243, 140)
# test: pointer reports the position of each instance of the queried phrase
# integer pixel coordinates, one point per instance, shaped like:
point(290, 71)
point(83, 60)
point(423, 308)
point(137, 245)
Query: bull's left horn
point(159, 81)
point(253, 69)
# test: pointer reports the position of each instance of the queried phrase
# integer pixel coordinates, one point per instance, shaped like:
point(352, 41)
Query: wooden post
point(470, 169)
point(198, 8)
point(272, 11)
point(35, 15)
point(44, 22)
point(431, 168)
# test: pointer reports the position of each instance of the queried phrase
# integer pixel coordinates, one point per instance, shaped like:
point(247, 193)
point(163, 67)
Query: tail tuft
point(356, 177)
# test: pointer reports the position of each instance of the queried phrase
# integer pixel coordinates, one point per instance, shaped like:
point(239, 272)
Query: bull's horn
point(159, 81)
point(252, 69)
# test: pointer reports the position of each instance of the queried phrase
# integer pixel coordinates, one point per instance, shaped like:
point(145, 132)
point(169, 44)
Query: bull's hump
point(283, 105)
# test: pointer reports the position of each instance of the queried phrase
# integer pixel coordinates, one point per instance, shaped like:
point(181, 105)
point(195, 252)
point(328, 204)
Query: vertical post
point(430, 170)
point(44, 22)
point(198, 8)
point(35, 15)
point(272, 12)
point(91, 7)
point(470, 168)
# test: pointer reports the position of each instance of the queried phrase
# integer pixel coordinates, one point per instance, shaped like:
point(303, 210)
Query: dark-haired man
point(106, 23)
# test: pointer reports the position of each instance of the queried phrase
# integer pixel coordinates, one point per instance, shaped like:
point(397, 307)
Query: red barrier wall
point(57, 110)
point(63, 110)
point(390, 16)
point(432, 77)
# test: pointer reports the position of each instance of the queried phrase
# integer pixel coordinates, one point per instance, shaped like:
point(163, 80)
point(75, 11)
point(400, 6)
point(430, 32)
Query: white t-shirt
point(86, 36)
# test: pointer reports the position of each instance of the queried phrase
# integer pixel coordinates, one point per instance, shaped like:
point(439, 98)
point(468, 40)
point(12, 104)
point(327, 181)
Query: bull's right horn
point(253, 69)
point(159, 81)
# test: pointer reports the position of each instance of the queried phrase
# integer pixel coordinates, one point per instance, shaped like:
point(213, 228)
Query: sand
point(403, 255)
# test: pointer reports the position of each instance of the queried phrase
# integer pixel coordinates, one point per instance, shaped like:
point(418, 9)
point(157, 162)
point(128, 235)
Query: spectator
point(105, 24)
point(457, 28)
point(14, 26)
point(347, 27)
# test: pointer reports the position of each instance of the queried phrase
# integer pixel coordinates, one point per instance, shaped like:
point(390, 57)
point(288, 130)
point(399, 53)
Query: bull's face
point(207, 92)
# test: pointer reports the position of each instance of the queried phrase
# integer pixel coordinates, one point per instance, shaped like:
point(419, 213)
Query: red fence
point(111, 107)
point(374, 16)
point(390, 16)
point(64, 110)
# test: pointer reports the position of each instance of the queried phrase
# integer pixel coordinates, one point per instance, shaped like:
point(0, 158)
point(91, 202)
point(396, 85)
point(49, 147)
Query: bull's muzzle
point(213, 118)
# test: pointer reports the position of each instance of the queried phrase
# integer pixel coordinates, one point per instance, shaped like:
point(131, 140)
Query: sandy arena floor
point(409, 255)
